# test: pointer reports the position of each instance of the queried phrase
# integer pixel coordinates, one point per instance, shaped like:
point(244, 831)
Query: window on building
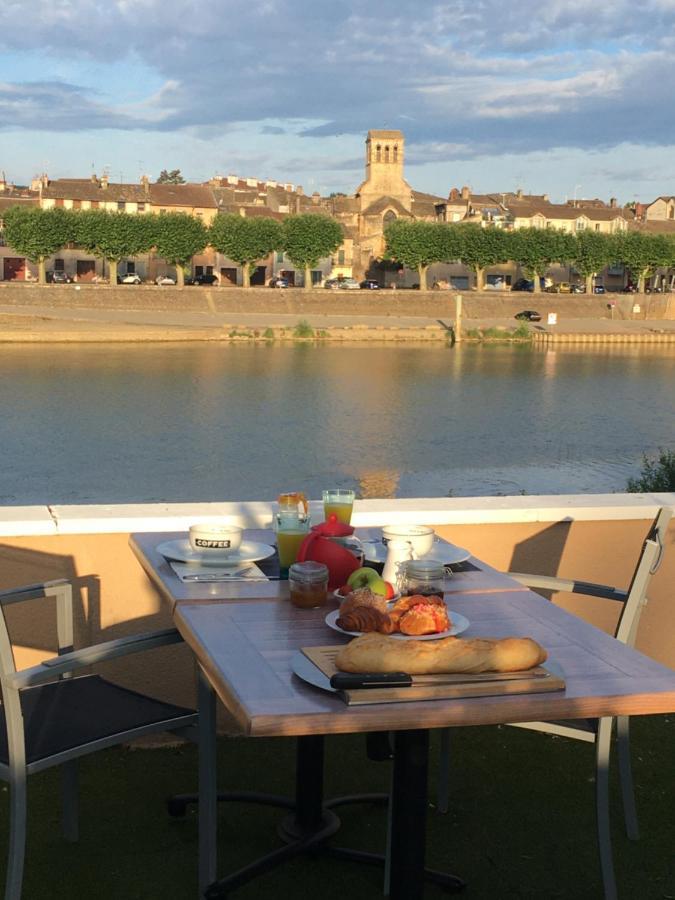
point(199, 270)
point(209, 270)
point(141, 207)
point(378, 153)
point(341, 257)
point(580, 225)
point(597, 226)
point(317, 276)
point(280, 257)
point(395, 152)
point(121, 205)
point(131, 267)
point(58, 265)
point(671, 212)
point(386, 154)
point(389, 216)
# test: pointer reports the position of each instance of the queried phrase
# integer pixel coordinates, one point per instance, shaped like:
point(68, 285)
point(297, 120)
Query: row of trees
point(38, 234)
point(419, 245)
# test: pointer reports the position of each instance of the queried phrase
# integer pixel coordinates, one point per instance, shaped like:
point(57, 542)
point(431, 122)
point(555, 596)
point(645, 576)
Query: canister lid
point(309, 572)
point(424, 569)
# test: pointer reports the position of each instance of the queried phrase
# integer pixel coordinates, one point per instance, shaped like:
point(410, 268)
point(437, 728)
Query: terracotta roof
point(562, 211)
point(345, 204)
point(432, 198)
point(654, 226)
point(379, 206)
point(74, 189)
point(8, 202)
point(191, 195)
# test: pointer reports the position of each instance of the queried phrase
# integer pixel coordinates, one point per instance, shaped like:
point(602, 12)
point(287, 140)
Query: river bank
point(94, 313)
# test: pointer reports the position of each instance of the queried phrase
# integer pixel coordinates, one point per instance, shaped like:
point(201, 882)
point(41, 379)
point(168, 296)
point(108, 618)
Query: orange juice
point(288, 544)
point(343, 511)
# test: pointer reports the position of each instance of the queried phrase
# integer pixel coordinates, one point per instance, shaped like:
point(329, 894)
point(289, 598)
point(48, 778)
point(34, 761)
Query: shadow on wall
point(542, 553)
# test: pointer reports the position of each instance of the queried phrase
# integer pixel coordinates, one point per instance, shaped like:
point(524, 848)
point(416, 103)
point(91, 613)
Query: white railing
point(18, 521)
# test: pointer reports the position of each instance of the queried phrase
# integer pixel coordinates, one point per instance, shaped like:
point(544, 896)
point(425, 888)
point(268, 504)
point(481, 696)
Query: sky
point(573, 98)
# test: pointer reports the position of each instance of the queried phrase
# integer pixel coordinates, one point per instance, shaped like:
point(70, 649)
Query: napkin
point(191, 573)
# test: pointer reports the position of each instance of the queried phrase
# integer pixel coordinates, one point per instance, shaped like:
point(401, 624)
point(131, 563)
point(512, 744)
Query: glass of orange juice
point(288, 544)
point(340, 502)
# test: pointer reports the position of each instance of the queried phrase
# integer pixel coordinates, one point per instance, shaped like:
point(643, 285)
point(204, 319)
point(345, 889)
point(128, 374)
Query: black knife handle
point(348, 681)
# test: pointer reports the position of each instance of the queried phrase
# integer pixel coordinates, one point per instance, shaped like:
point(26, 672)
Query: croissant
point(365, 619)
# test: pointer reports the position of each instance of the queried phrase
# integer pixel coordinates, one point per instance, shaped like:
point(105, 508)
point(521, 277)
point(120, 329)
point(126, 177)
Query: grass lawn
point(521, 823)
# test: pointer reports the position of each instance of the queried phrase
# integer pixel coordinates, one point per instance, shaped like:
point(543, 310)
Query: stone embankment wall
point(294, 301)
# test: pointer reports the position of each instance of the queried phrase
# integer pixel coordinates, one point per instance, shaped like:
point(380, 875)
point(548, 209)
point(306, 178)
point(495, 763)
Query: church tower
point(384, 170)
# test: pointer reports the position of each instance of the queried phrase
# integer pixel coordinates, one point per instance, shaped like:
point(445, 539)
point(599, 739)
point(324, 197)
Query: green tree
point(534, 249)
point(178, 236)
point(642, 254)
point(38, 233)
point(170, 177)
point(245, 240)
point(482, 247)
point(114, 236)
point(417, 245)
point(308, 238)
point(592, 251)
point(657, 476)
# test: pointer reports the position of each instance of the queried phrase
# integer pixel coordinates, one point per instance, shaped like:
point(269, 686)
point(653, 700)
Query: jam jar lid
point(309, 572)
point(424, 569)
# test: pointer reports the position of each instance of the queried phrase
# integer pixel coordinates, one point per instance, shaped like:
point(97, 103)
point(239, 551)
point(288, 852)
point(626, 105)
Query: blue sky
point(568, 97)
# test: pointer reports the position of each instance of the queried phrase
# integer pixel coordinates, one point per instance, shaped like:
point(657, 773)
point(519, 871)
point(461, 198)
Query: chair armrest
point(551, 583)
point(32, 591)
point(87, 656)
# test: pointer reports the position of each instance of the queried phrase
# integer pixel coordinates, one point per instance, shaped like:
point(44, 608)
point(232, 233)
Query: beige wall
point(113, 597)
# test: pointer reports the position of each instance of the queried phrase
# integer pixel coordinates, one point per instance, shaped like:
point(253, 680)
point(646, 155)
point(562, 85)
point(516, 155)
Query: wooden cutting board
point(440, 686)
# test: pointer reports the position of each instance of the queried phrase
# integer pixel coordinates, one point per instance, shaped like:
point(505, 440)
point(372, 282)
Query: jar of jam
point(423, 576)
point(308, 583)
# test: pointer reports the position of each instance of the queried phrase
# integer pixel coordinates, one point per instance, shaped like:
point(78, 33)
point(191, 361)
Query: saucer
point(459, 624)
point(248, 551)
point(446, 554)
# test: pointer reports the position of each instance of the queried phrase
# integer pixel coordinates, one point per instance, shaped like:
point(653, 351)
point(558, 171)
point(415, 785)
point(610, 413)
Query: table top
point(246, 650)
point(480, 577)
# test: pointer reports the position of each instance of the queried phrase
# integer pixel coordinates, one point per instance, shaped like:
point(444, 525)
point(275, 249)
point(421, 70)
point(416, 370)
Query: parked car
point(599, 289)
point(207, 278)
point(59, 277)
point(165, 279)
point(529, 315)
point(562, 287)
point(629, 289)
point(523, 284)
point(132, 278)
point(349, 284)
point(278, 282)
point(332, 284)
point(577, 289)
point(370, 285)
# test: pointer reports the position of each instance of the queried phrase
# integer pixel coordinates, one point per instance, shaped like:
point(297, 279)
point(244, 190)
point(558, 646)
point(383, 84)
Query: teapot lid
point(332, 527)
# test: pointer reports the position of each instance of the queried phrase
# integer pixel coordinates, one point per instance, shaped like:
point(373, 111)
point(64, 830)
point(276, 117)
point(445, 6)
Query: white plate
point(459, 624)
point(249, 551)
point(446, 554)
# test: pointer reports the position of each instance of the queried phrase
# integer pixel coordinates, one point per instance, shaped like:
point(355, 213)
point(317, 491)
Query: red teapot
point(334, 544)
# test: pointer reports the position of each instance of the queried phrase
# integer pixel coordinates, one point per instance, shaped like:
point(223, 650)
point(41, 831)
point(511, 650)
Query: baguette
point(379, 653)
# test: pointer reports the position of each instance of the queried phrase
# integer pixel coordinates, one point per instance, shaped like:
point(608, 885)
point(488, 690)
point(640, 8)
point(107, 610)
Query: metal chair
point(49, 718)
point(597, 731)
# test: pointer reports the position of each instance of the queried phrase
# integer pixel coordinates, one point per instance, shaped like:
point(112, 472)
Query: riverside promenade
point(84, 313)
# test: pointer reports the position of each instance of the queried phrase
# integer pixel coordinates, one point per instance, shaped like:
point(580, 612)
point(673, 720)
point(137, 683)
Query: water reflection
point(203, 422)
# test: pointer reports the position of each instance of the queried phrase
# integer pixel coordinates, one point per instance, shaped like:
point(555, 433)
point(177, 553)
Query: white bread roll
point(379, 653)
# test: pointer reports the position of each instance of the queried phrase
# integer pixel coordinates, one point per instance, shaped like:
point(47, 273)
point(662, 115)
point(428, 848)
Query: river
point(149, 423)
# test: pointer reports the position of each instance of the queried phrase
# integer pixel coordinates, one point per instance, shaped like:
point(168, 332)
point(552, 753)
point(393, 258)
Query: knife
point(347, 681)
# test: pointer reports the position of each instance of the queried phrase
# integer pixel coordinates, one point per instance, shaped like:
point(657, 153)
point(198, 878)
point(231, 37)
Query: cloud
point(452, 75)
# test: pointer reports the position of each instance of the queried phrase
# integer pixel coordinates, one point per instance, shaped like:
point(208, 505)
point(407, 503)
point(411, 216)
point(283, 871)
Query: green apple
point(364, 577)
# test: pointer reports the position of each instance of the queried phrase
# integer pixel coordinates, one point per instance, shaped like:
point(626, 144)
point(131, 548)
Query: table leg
point(207, 783)
point(408, 815)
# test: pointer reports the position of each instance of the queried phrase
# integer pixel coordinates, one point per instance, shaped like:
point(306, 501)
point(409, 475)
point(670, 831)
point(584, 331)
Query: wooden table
point(244, 652)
